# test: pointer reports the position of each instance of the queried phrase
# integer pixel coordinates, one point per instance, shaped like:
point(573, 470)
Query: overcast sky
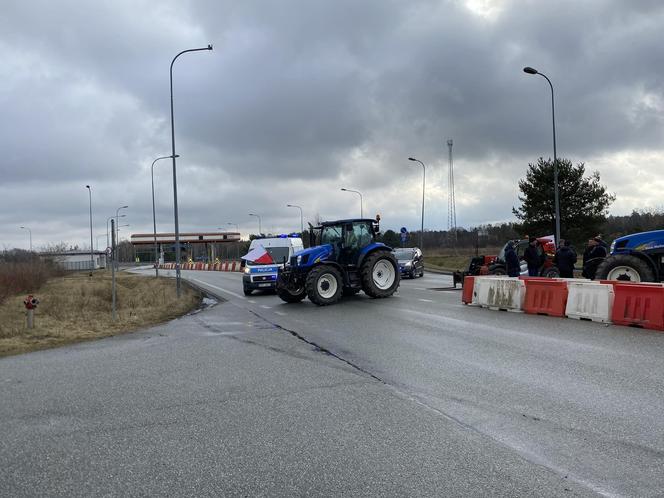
point(301, 98)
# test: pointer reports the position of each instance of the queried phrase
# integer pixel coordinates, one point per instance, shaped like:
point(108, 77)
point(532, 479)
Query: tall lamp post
point(154, 218)
point(556, 195)
point(424, 174)
point(175, 183)
point(92, 258)
point(260, 232)
point(117, 235)
point(30, 232)
point(358, 193)
point(301, 217)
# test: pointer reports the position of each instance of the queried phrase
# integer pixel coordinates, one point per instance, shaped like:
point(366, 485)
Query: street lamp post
point(358, 193)
point(424, 174)
point(260, 231)
point(301, 217)
point(154, 218)
point(108, 242)
point(117, 235)
point(175, 184)
point(30, 233)
point(92, 259)
point(556, 195)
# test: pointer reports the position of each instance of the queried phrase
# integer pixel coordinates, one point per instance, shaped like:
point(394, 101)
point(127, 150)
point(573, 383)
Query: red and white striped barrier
point(622, 303)
point(223, 266)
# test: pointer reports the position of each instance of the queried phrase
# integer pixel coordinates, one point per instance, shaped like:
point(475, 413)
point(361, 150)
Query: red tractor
point(495, 265)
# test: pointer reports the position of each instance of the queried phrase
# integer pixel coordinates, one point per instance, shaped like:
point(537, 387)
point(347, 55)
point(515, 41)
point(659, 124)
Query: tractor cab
point(346, 237)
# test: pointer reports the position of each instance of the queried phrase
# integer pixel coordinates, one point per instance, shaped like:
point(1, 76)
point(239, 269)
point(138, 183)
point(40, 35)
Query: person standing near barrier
point(512, 260)
point(533, 257)
point(565, 259)
point(592, 257)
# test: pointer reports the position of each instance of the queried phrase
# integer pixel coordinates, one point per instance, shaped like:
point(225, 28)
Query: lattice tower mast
point(451, 201)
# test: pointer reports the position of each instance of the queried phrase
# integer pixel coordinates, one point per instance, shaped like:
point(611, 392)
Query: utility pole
point(113, 267)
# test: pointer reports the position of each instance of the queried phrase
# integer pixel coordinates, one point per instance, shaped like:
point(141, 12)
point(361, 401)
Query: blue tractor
point(344, 258)
point(638, 257)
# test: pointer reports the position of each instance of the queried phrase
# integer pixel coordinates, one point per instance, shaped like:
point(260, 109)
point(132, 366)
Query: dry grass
point(77, 308)
point(449, 259)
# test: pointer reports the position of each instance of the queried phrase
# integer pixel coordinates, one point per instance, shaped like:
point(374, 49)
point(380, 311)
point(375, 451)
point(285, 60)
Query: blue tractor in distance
point(638, 257)
point(343, 259)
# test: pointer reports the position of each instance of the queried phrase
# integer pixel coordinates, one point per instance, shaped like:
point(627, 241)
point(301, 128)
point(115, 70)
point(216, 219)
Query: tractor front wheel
point(624, 267)
point(380, 274)
point(324, 285)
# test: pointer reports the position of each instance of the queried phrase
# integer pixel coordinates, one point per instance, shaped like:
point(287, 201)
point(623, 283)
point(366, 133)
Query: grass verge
point(77, 308)
point(454, 260)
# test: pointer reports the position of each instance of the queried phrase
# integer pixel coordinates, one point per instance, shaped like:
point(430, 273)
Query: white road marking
point(219, 288)
point(251, 301)
point(419, 288)
point(266, 307)
point(426, 300)
point(281, 314)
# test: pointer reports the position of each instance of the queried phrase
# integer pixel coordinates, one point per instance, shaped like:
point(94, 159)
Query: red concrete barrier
point(638, 305)
point(545, 296)
point(467, 293)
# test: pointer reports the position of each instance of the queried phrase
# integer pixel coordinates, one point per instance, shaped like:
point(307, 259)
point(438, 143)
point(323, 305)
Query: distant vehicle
point(411, 261)
point(638, 257)
point(258, 276)
point(343, 259)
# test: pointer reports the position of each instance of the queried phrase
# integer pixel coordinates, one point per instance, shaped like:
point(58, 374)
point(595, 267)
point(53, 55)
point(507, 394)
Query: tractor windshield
point(330, 235)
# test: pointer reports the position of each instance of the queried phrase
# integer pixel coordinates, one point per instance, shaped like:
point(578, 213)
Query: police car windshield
point(404, 254)
point(278, 254)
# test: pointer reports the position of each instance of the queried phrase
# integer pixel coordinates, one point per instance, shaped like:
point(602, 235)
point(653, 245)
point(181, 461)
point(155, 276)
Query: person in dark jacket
point(512, 261)
point(565, 259)
point(533, 256)
point(592, 257)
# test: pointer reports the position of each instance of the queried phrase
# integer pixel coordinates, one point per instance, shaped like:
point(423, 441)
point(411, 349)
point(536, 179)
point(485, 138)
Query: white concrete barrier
point(590, 301)
point(501, 293)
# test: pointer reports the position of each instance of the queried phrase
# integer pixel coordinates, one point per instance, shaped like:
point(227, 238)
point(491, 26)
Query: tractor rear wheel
point(380, 274)
point(324, 285)
point(624, 267)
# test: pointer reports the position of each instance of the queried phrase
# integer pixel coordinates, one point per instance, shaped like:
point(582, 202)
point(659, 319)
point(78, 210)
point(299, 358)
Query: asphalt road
point(417, 395)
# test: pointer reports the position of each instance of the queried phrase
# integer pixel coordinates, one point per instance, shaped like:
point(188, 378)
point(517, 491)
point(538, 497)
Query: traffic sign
point(404, 230)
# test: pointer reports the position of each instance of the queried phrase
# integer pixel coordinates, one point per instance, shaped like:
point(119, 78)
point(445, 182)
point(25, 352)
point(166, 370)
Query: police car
point(262, 276)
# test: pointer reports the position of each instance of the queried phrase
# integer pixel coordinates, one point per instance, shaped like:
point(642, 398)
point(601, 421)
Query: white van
point(258, 276)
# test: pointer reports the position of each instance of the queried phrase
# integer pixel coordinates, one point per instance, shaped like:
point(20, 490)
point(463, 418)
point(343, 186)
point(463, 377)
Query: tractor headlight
point(613, 246)
point(409, 264)
point(299, 260)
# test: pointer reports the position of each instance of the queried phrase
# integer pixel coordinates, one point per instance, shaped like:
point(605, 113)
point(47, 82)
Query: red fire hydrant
point(31, 303)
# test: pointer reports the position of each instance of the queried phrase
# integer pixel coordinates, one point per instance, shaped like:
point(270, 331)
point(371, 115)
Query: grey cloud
point(300, 98)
